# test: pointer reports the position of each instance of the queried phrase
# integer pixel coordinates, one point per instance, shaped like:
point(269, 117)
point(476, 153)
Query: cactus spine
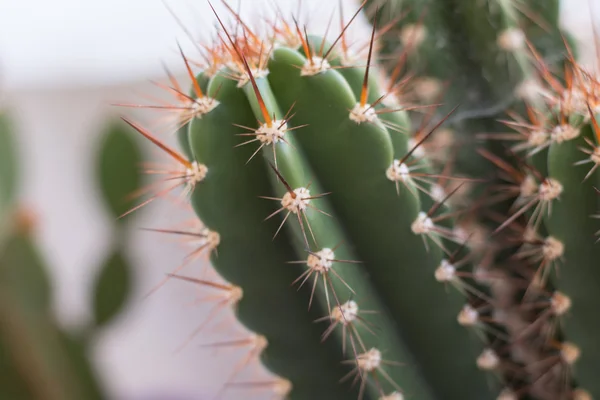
point(342, 197)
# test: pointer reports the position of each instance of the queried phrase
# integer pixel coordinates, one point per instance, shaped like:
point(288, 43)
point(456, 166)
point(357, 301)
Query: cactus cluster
point(40, 359)
point(321, 200)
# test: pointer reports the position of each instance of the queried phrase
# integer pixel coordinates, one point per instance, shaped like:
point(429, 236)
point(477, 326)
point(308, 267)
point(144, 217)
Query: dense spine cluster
point(540, 193)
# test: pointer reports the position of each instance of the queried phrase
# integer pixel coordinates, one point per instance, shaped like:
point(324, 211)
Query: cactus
point(8, 170)
point(555, 140)
point(565, 205)
point(486, 63)
point(339, 195)
point(294, 151)
point(549, 151)
point(485, 60)
point(39, 359)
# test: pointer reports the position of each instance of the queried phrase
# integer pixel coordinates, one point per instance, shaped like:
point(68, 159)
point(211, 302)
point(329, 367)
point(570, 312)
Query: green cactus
point(376, 242)
point(38, 358)
point(570, 223)
point(564, 220)
point(294, 151)
point(8, 170)
point(478, 48)
point(119, 178)
point(545, 250)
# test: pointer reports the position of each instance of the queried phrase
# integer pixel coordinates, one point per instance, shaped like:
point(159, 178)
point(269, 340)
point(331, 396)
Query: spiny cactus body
point(299, 179)
point(306, 171)
point(563, 226)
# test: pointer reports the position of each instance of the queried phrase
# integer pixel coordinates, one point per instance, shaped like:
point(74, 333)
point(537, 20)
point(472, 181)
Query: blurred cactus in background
point(8, 170)
point(38, 358)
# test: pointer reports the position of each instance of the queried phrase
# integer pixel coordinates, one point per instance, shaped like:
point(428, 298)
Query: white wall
point(61, 63)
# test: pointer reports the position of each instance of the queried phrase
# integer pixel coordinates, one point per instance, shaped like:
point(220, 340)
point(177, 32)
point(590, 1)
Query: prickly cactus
point(321, 201)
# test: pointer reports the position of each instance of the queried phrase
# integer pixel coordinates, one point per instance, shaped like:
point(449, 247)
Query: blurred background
point(62, 64)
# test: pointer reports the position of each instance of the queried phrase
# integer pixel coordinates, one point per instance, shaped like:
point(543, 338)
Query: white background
point(62, 63)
